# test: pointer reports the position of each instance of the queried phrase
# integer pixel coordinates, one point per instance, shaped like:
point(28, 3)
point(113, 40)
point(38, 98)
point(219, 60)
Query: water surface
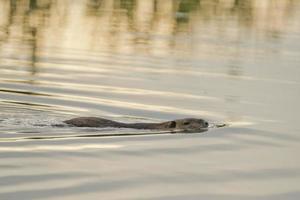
point(227, 61)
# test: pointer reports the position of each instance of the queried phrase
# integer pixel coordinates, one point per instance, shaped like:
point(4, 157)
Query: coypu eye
point(186, 123)
point(172, 124)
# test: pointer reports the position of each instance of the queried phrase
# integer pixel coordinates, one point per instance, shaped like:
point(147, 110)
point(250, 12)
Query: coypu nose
point(206, 124)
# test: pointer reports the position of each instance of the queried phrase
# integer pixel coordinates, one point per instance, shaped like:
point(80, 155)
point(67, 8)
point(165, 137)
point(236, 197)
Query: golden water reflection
point(31, 28)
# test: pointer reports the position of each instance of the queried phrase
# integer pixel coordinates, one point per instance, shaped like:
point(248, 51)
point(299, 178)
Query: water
point(227, 61)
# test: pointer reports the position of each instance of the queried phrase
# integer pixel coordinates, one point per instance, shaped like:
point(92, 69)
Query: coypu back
point(93, 122)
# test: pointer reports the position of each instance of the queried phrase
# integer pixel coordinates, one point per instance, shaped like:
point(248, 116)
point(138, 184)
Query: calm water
point(232, 61)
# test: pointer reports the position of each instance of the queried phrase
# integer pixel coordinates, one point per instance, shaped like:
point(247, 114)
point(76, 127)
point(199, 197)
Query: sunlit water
point(233, 62)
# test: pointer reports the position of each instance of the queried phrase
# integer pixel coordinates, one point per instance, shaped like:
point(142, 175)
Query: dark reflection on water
point(24, 92)
point(231, 61)
point(26, 104)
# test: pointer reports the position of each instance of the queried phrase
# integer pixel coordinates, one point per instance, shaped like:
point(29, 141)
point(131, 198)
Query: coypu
point(182, 124)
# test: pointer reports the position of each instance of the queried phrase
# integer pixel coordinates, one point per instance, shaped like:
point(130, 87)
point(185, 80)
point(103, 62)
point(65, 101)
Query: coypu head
point(187, 124)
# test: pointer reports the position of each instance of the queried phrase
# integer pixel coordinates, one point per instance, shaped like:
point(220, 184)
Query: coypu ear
point(172, 124)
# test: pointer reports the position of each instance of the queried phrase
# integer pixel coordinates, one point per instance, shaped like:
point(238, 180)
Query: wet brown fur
point(185, 124)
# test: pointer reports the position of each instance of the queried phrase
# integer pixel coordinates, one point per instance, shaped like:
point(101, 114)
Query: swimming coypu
point(182, 124)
